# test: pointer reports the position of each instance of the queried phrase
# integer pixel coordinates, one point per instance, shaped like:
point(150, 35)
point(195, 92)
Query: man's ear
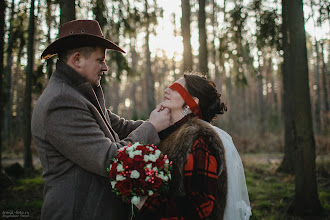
point(74, 60)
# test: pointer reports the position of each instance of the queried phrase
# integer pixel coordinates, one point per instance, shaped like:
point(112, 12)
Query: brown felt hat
point(78, 33)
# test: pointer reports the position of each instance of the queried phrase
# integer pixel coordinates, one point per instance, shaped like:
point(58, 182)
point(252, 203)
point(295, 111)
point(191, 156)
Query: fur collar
point(177, 145)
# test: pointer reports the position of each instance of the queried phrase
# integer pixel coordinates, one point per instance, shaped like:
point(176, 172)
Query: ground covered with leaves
point(271, 193)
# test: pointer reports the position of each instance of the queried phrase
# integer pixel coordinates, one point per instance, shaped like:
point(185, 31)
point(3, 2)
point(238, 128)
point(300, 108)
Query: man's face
point(92, 68)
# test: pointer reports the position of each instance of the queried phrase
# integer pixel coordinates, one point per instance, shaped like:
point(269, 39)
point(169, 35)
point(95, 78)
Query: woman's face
point(173, 100)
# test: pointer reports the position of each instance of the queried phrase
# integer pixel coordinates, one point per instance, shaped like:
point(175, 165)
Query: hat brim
point(78, 40)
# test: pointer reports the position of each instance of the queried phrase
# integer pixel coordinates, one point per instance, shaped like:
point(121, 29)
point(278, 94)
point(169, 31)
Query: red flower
point(122, 156)
point(128, 162)
point(158, 182)
point(124, 187)
point(143, 148)
point(159, 163)
point(138, 158)
point(113, 171)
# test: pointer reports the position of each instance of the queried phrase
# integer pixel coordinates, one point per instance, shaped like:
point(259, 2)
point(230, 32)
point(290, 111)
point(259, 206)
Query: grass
point(23, 198)
point(270, 193)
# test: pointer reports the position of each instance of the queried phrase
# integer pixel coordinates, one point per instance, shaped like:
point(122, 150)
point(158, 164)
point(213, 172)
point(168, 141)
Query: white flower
point(113, 183)
point(130, 148)
point(153, 158)
point(133, 153)
point(120, 168)
point(135, 174)
point(146, 158)
point(149, 166)
point(120, 178)
point(135, 145)
point(135, 200)
point(150, 193)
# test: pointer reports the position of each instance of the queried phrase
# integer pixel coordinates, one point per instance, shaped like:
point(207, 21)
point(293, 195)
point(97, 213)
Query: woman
point(199, 183)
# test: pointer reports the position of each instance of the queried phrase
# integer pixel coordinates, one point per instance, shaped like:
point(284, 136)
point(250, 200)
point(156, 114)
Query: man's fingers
point(158, 108)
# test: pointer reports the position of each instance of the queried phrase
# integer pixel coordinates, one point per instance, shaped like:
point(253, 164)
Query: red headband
point(187, 98)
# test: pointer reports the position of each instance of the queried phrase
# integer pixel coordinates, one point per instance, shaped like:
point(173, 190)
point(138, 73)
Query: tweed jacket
point(76, 138)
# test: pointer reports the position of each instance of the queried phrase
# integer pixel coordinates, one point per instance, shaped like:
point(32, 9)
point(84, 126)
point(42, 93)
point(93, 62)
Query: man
point(76, 136)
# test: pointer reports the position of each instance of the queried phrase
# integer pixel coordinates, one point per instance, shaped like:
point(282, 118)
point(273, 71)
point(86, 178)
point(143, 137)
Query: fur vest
point(178, 144)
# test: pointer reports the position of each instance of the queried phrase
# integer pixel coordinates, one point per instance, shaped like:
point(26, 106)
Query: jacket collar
point(68, 74)
point(78, 81)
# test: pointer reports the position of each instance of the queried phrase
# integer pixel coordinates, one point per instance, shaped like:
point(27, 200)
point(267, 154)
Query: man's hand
point(160, 118)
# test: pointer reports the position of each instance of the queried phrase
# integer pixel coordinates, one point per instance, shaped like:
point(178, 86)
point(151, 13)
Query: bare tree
point(326, 108)
point(149, 74)
point(68, 10)
point(287, 164)
point(203, 59)
point(49, 19)
point(28, 163)
point(8, 73)
point(306, 202)
point(2, 31)
point(185, 28)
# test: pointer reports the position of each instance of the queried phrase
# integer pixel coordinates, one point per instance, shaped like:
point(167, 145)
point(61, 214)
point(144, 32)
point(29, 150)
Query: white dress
point(238, 204)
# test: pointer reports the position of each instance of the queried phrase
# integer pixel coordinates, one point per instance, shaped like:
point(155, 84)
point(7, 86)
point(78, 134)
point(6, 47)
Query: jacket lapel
point(97, 99)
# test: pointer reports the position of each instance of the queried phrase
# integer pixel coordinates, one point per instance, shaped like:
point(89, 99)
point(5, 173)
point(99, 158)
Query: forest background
point(269, 60)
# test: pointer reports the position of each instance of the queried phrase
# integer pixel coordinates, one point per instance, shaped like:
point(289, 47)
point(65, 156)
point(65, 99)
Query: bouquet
point(139, 170)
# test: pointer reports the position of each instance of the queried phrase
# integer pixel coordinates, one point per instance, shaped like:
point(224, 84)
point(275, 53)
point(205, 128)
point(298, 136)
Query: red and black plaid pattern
point(200, 180)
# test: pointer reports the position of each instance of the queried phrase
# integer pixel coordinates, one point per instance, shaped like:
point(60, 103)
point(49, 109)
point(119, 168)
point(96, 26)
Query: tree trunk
point(68, 11)
point(261, 103)
point(2, 101)
point(18, 87)
point(318, 91)
point(326, 108)
point(28, 96)
point(49, 19)
point(8, 84)
point(306, 202)
point(134, 86)
point(203, 60)
point(317, 110)
point(149, 75)
point(185, 26)
point(215, 26)
point(287, 164)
